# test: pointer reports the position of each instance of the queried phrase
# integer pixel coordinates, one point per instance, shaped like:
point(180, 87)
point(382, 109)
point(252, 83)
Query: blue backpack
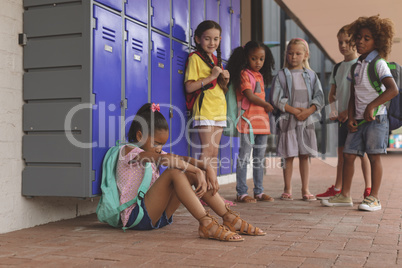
point(109, 208)
point(394, 106)
point(232, 110)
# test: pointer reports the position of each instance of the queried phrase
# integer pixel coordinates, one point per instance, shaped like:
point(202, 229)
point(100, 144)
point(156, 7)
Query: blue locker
point(235, 29)
point(107, 42)
point(160, 11)
point(115, 4)
point(225, 158)
point(235, 151)
point(224, 22)
point(197, 15)
point(138, 10)
point(211, 10)
point(178, 101)
point(136, 70)
point(160, 77)
point(180, 20)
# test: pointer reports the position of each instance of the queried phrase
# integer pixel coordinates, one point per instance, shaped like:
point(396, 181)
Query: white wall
point(16, 211)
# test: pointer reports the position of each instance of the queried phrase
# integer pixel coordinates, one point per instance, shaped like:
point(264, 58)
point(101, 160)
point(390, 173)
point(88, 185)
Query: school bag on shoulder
point(109, 208)
point(282, 80)
point(192, 97)
point(235, 110)
point(394, 106)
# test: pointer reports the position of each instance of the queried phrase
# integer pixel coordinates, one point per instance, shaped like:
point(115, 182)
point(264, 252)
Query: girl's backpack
point(232, 110)
point(109, 208)
point(394, 106)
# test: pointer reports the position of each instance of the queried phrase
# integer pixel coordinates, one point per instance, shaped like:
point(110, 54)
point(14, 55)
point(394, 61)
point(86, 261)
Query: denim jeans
point(259, 148)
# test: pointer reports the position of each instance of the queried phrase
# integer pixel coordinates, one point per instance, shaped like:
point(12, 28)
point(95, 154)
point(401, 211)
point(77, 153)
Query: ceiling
point(321, 20)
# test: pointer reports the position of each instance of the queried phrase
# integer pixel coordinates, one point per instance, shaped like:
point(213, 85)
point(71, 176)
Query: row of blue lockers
point(185, 16)
point(102, 60)
point(168, 59)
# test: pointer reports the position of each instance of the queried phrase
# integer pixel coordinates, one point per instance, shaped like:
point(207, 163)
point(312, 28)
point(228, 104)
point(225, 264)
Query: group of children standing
point(296, 93)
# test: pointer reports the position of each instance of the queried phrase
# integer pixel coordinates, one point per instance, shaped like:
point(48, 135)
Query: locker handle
point(170, 112)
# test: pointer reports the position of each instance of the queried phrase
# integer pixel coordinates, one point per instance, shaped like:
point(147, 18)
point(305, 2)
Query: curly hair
point(201, 28)
point(298, 41)
point(147, 122)
point(238, 61)
point(382, 31)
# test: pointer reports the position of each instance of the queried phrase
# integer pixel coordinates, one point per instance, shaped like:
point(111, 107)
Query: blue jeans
point(371, 137)
point(243, 161)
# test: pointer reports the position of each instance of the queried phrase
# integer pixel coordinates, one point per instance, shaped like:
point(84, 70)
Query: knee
point(347, 158)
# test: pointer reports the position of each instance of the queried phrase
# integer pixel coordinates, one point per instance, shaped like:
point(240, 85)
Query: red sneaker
point(367, 192)
point(329, 193)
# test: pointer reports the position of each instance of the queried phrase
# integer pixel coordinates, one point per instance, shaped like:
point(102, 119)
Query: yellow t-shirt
point(214, 103)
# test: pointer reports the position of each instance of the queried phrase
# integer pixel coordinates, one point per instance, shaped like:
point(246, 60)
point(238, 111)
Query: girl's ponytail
point(237, 62)
point(221, 80)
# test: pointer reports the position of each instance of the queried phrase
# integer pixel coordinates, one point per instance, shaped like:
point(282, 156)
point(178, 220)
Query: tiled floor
point(299, 233)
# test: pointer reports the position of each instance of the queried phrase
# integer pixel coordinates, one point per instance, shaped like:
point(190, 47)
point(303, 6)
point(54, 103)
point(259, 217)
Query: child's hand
point(352, 125)
point(216, 71)
point(343, 116)
point(201, 183)
point(303, 115)
point(333, 115)
point(212, 180)
point(268, 107)
point(226, 74)
point(369, 113)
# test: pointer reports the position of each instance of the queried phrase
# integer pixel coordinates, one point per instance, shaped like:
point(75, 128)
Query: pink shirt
point(129, 178)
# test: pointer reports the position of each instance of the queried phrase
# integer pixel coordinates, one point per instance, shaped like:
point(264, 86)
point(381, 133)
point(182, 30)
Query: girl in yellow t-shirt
point(206, 78)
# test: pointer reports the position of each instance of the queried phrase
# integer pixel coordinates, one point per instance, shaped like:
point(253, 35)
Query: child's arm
point(171, 161)
point(390, 92)
point(332, 99)
point(257, 101)
point(211, 178)
point(317, 102)
point(280, 100)
point(352, 123)
point(192, 85)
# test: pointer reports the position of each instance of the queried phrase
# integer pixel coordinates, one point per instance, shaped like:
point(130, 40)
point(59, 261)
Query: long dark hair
point(146, 121)
point(238, 61)
point(201, 28)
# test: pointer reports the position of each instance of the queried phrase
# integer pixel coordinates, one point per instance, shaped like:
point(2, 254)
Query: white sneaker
point(370, 203)
point(338, 201)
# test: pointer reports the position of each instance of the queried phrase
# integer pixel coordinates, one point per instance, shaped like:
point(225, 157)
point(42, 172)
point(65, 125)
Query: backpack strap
point(373, 78)
point(146, 181)
point(373, 75)
point(336, 67)
point(245, 104)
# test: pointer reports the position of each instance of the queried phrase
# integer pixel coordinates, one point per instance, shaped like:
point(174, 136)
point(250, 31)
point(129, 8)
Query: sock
point(336, 189)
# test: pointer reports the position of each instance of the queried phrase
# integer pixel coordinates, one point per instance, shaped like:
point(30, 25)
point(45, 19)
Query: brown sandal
point(245, 199)
point(222, 233)
point(264, 197)
point(244, 224)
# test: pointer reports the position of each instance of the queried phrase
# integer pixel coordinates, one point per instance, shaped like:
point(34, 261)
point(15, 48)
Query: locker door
point(211, 8)
point(235, 152)
point(107, 42)
point(235, 29)
point(112, 3)
point(138, 10)
point(160, 15)
point(178, 123)
point(160, 77)
point(224, 22)
point(180, 19)
point(225, 158)
point(136, 70)
point(197, 15)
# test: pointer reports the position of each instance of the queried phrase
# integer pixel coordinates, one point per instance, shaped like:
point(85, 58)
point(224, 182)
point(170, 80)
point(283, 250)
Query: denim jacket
point(315, 94)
